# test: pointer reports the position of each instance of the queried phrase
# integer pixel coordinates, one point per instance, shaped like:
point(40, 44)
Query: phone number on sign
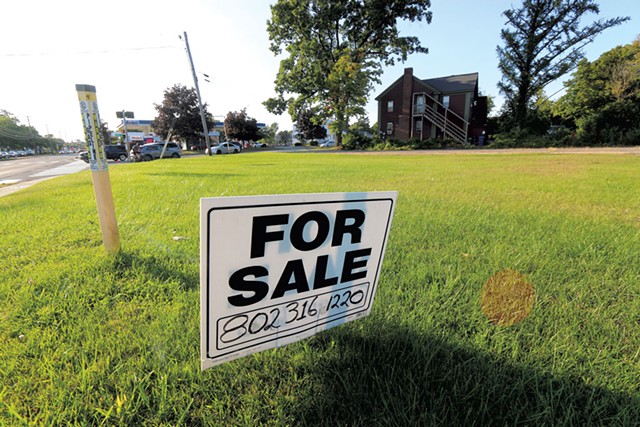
point(290, 317)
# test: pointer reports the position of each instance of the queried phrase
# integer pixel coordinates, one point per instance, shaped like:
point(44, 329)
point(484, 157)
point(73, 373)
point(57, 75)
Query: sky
point(131, 52)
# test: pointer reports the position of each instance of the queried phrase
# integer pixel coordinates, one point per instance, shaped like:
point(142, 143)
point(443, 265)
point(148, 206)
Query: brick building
point(442, 107)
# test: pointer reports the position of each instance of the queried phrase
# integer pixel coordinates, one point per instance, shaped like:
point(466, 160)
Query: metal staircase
point(452, 125)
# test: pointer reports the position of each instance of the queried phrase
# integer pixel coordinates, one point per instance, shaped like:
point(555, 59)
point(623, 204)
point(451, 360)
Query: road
point(23, 172)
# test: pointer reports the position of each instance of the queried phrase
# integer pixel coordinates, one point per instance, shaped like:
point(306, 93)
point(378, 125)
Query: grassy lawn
point(88, 339)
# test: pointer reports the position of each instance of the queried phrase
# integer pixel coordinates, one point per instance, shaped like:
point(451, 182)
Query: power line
point(17, 134)
point(12, 135)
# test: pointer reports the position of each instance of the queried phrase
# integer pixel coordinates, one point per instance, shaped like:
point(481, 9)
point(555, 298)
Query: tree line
point(334, 52)
point(543, 41)
point(179, 113)
point(16, 136)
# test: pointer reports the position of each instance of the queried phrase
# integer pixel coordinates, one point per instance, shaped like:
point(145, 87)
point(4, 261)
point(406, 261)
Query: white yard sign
point(277, 269)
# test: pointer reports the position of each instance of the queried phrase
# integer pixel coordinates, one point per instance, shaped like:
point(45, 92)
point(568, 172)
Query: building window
point(390, 106)
point(420, 104)
point(419, 126)
point(389, 128)
point(445, 101)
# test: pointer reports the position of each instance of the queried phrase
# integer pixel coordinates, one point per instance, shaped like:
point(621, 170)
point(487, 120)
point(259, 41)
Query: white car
point(225, 148)
point(328, 144)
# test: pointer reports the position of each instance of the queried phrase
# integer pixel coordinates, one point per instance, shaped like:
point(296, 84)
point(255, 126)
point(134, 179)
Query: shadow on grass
point(407, 380)
point(159, 270)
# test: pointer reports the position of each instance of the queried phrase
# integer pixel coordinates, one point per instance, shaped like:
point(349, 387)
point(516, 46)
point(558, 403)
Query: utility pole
point(124, 115)
point(124, 126)
point(30, 133)
point(195, 81)
point(49, 140)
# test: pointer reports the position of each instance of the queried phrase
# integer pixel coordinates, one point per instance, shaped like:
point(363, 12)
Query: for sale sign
point(277, 269)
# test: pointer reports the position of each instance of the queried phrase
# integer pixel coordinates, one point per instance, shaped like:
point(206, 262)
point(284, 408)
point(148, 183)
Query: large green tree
point(238, 125)
point(603, 96)
point(269, 133)
point(180, 104)
point(542, 41)
point(336, 50)
point(284, 137)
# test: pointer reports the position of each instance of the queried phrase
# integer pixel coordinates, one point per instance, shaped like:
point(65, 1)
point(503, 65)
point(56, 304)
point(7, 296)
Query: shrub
point(523, 139)
point(562, 137)
point(617, 123)
point(356, 141)
point(504, 141)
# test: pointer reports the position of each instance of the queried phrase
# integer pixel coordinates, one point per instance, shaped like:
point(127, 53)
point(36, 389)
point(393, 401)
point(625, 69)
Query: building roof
point(450, 84)
point(455, 83)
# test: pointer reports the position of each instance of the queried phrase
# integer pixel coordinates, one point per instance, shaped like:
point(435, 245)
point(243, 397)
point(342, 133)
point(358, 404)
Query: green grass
point(91, 339)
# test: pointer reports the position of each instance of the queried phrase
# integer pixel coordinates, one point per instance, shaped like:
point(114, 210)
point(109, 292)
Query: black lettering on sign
point(351, 264)
point(294, 269)
point(341, 227)
point(320, 277)
point(238, 282)
point(347, 222)
point(260, 236)
point(297, 231)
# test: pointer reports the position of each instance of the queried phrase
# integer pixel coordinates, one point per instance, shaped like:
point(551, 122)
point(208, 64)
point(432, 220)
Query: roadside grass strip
point(509, 294)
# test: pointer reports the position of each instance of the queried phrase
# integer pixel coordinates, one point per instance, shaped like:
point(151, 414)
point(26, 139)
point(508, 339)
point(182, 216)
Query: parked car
point(225, 148)
point(84, 156)
point(260, 145)
point(198, 147)
point(153, 151)
point(328, 144)
point(116, 152)
point(237, 144)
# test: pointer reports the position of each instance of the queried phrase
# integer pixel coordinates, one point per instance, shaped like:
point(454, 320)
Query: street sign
point(277, 269)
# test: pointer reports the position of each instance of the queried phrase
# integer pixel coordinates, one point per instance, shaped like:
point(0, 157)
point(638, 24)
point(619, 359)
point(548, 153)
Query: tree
point(284, 137)
point(15, 135)
point(241, 127)
point(105, 132)
point(336, 51)
point(308, 127)
point(603, 96)
point(269, 133)
point(543, 40)
point(490, 101)
point(180, 103)
point(362, 127)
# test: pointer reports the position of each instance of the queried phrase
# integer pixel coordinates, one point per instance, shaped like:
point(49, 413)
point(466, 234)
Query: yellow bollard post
point(99, 169)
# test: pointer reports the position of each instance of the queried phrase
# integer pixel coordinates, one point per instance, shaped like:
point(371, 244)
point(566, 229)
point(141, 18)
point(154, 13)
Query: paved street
point(23, 172)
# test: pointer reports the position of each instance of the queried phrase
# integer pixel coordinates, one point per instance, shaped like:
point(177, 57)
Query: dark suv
point(116, 152)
